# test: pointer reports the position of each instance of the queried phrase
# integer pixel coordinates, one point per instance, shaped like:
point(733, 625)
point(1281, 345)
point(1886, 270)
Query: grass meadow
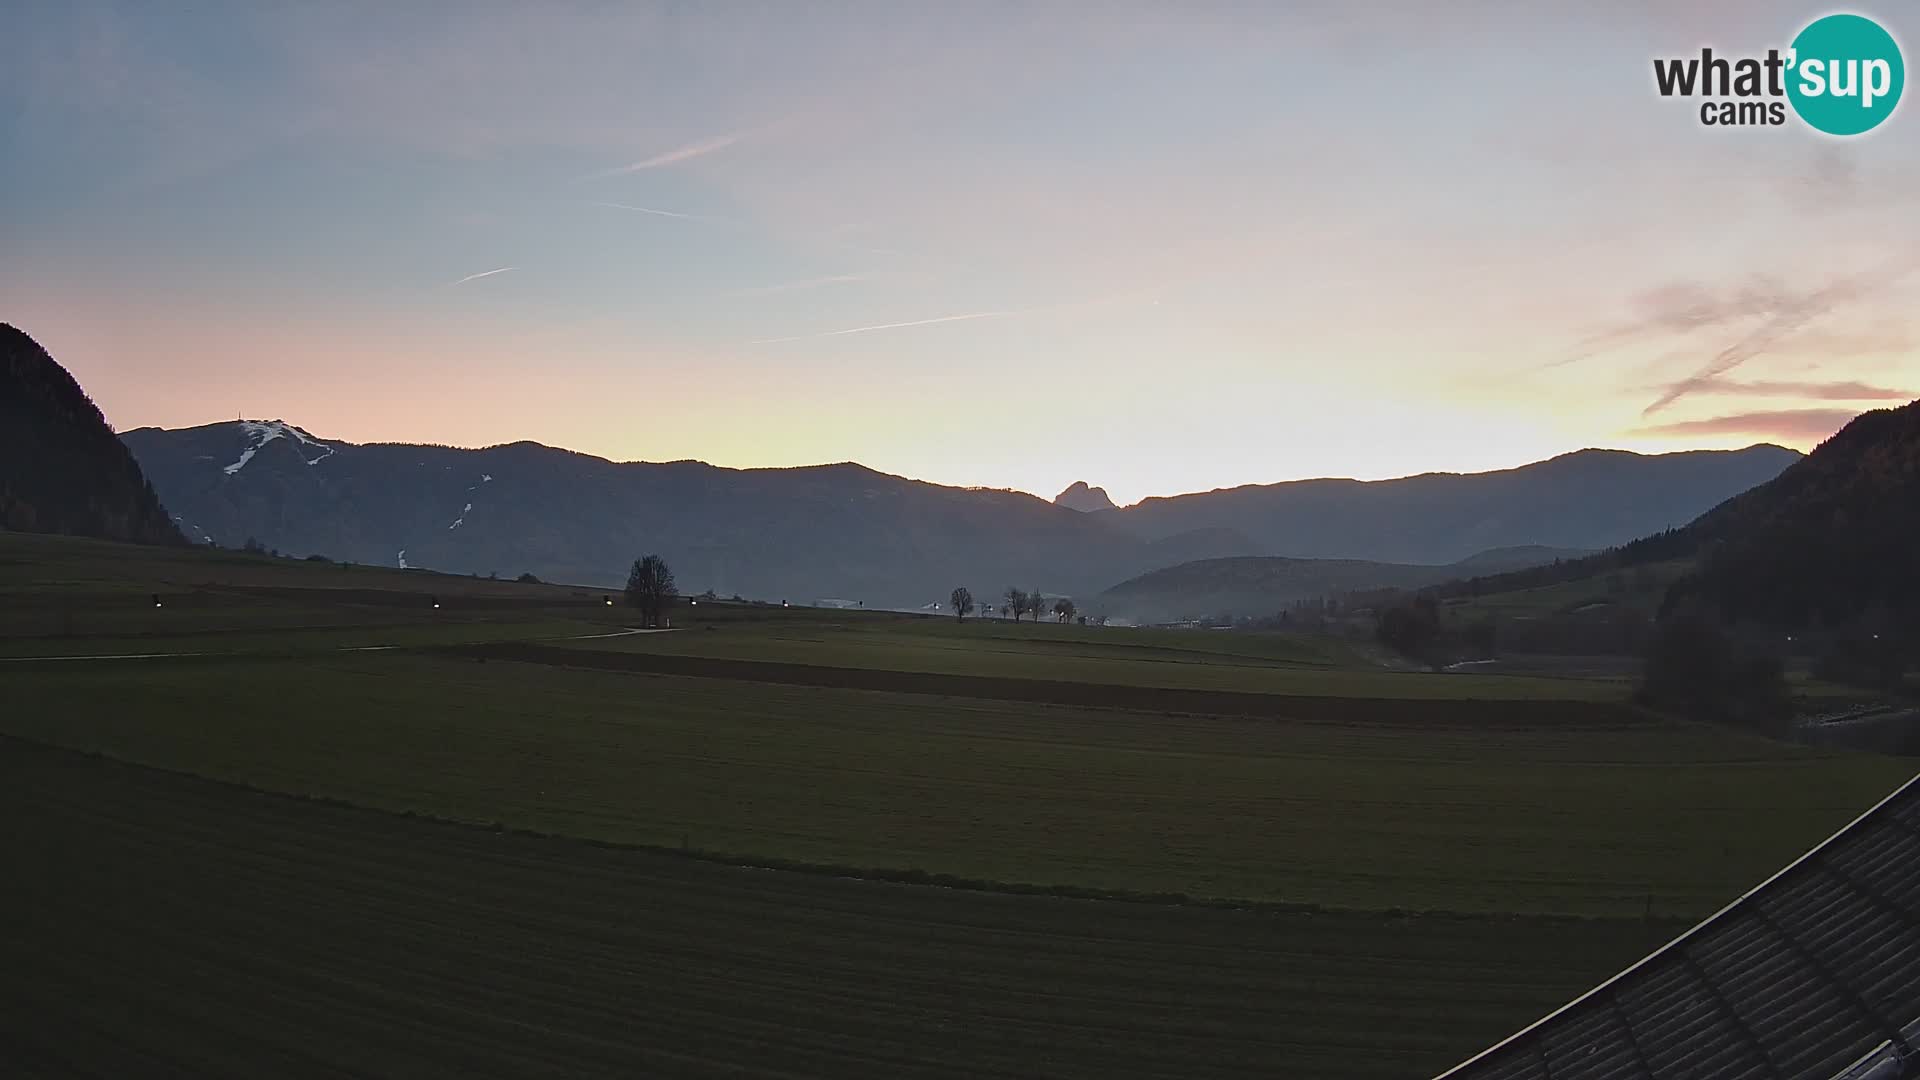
point(323, 825)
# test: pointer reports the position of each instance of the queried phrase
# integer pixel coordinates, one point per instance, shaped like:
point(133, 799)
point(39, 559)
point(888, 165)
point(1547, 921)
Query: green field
point(1265, 663)
point(522, 854)
point(61, 594)
point(1561, 818)
point(160, 923)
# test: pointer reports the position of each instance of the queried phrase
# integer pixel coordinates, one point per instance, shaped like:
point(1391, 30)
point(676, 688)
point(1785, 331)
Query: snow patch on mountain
point(261, 432)
point(403, 559)
point(464, 511)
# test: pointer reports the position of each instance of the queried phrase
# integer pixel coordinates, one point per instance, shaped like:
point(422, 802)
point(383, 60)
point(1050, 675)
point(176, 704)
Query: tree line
point(1018, 602)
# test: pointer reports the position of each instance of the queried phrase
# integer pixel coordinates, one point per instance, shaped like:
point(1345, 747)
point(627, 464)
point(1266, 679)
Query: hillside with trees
point(62, 470)
point(1820, 563)
point(1832, 541)
point(1266, 585)
point(1828, 542)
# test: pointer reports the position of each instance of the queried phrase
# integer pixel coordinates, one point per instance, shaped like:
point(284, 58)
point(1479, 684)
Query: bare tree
point(1016, 603)
point(1063, 610)
point(962, 603)
point(1036, 604)
point(650, 588)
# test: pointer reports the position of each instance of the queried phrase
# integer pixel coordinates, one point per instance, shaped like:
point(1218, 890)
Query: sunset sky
point(1160, 247)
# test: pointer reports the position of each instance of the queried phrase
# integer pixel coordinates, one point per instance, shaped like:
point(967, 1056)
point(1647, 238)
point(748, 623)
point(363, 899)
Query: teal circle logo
point(1845, 74)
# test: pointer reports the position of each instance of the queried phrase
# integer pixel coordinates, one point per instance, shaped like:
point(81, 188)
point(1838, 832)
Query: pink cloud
point(1801, 426)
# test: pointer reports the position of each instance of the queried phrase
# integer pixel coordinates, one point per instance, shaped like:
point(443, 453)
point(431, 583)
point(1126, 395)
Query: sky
point(1156, 247)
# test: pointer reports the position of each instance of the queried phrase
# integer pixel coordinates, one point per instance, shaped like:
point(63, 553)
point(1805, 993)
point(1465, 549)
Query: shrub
point(1695, 667)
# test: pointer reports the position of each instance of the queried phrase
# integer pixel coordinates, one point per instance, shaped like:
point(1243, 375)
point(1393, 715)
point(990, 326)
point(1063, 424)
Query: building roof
point(1812, 975)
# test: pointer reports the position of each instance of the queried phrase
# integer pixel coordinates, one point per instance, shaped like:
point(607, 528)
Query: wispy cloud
point(1885, 339)
point(1820, 391)
point(1682, 308)
point(1792, 425)
point(650, 210)
point(692, 150)
point(887, 326)
point(1790, 314)
point(484, 273)
point(804, 283)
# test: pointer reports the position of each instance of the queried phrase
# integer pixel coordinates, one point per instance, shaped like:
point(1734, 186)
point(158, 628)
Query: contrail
point(1741, 351)
point(484, 273)
point(649, 210)
point(887, 326)
point(671, 157)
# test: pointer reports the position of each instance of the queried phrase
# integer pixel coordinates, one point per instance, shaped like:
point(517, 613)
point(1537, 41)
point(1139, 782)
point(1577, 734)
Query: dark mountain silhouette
point(61, 468)
point(1588, 499)
point(1079, 496)
point(1261, 586)
point(842, 531)
point(1831, 540)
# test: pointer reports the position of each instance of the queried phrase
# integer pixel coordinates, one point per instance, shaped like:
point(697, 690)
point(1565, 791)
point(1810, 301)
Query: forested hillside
point(62, 470)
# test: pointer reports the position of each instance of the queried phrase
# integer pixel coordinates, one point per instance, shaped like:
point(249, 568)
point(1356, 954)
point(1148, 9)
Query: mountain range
point(845, 531)
point(1588, 499)
point(1825, 540)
